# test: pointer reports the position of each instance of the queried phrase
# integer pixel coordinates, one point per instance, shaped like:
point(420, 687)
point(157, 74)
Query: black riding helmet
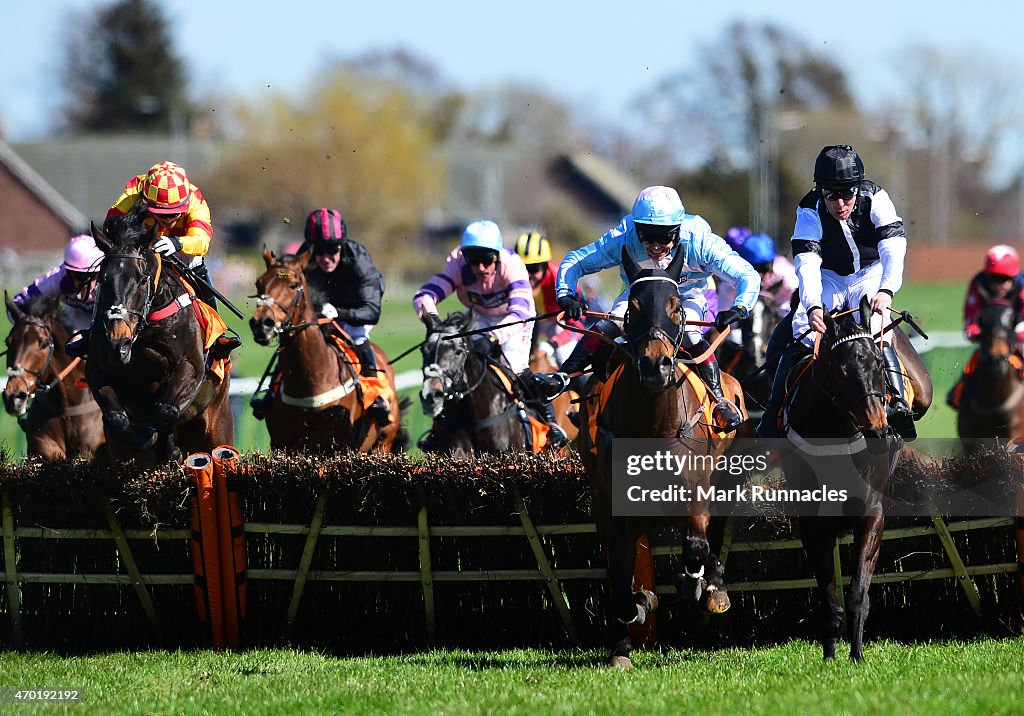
point(325, 229)
point(838, 165)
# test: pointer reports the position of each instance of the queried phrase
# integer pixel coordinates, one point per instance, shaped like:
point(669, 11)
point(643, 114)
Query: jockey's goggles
point(326, 249)
point(837, 193)
point(537, 268)
point(483, 257)
point(657, 234)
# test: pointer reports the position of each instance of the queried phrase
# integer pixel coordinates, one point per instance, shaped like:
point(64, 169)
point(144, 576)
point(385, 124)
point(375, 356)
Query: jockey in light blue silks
point(654, 231)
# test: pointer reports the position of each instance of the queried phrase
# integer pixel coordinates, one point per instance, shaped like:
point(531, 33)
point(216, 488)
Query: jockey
point(181, 218)
point(535, 251)
point(492, 282)
point(656, 229)
point(73, 281)
point(1000, 280)
point(848, 242)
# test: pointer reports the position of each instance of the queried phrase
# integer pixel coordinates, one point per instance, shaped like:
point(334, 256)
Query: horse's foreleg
point(627, 607)
point(819, 539)
point(867, 544)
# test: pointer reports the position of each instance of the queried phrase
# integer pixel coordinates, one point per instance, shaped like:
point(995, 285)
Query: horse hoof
point(716, 601)
point(622, 663)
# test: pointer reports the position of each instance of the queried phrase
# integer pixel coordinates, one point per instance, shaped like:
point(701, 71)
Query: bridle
point(848, 407)
point(451, 380)
point(292, 312)
point(120, 312)
point(18, 372)
point(655, 333)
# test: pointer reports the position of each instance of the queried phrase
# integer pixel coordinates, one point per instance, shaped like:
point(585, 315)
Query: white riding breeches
point(516, 346)
point(839, 291)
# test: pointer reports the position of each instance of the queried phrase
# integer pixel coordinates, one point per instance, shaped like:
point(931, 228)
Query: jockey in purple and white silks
point(73, 282)
point(655, 230)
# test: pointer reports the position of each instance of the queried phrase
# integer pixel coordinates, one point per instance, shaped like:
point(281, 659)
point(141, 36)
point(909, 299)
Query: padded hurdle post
point(315, 525)
point(125, 552)
point(11, 572)
point(427, 574)
point(554, 586)
point(230, 544)
point(205, 548)
point(959, 569)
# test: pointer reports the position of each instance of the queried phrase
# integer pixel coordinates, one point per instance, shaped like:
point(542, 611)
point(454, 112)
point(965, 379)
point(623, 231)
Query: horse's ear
point(101, 238)
point(302, 260)
point(675, 266)
point(431, 320)
point(830, 324)
point(630, 265)
point(268, 256)
point(865, 312)
point(13, 311)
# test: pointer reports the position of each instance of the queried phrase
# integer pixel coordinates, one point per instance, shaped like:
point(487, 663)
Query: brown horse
point(652, 399)
point(992, 404)
point(318, 405)
point(147, 367)
point(60, 418)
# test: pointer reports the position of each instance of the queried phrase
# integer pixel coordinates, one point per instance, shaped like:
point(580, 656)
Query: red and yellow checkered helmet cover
point(167, 189)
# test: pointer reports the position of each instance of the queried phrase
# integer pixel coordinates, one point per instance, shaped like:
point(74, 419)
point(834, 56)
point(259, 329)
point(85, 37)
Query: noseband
point(120, 312)
point(656, 333)
point(450, 380)
point(19, 372)
point(291, 313)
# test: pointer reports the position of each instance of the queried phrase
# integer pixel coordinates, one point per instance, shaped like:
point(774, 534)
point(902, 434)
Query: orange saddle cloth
point(372, 387)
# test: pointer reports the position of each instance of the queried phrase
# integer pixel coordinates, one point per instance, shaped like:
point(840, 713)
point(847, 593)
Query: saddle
point(209, 320)
point(368, 388)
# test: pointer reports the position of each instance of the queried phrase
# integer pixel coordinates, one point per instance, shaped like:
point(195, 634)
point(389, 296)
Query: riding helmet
point(838, 165)
point(166, 189)
point(1002, 260)
point(482, 235)
point(659, 205)
point(325, 227)
point(533, 248)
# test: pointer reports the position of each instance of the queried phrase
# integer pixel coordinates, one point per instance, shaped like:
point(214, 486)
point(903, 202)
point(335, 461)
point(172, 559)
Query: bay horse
point(474, 409)
point(44, 389)
point(317, 406)
point(147, 368)
point(654, 399)
point(839, 396)
point(992, 403)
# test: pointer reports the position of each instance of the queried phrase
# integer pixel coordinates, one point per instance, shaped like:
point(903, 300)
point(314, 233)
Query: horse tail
point(401, 441)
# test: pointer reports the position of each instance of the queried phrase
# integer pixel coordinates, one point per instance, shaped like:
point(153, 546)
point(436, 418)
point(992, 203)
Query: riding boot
point(78, 346)
point(579, 359)
point(202, 271)
point(546, 387)
point(379, 409)
point(900, 416)
point(726, 415)
point(225, 343)
point(262, 401)
point(769, 426)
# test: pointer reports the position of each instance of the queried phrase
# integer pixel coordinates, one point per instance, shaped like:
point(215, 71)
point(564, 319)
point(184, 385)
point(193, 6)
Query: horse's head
point(444, 360)
point(281, 297)
point(30, 352)
point(998, 338)
point(126, 282)
point(849, 367)
point(654, 322)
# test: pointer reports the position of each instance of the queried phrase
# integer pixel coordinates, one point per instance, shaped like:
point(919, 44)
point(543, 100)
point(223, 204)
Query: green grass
point(981, 677)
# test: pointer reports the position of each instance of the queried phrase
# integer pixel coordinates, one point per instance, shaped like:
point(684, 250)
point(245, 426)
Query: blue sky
point(593, 54)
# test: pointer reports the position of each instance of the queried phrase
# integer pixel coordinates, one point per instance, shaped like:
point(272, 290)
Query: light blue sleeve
point(598, 255)
point(713, 254)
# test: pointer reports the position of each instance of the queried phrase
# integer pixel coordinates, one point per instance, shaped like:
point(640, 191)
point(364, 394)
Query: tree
point(350, 145)
point(121, 71)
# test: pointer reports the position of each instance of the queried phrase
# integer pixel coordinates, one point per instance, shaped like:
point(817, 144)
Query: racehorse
point(840, 396)
point(992, 403)
point(653, 398)
point(58, 414)
point(147, 368)
point(318, 405)
point(744, 361)
point(475, 402)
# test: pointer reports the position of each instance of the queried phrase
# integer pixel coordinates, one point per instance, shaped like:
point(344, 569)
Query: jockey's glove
point(572, 306)
point(730, 316)
point(328, 311)
point(167, 245)
point(483, 345)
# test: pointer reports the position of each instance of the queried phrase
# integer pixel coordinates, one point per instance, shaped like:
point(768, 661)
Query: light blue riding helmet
point(658, 205)
point(482, 235)
point(758, 249)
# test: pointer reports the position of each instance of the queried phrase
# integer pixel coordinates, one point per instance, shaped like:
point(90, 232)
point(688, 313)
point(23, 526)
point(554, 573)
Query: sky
point(592, 54)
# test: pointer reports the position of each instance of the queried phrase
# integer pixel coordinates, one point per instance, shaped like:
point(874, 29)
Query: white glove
point(329, 311)
point(166, 245)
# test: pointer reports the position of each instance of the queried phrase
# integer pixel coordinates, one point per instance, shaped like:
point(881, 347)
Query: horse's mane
point(129, 231)
point(458, 321)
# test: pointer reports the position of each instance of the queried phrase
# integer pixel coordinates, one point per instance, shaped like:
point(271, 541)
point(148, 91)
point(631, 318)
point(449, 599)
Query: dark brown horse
point(147, 367)
point(59, 416)
point(841, 398)
point(317, 406)
point(992, 404)
point(652, 399)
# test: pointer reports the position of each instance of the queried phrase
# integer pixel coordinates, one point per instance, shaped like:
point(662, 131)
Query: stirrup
point(901, 418)
point(723, 421)
point(225, 343)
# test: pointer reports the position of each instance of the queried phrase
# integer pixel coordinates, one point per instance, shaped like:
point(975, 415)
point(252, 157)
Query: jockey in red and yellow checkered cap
point(182, 223)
